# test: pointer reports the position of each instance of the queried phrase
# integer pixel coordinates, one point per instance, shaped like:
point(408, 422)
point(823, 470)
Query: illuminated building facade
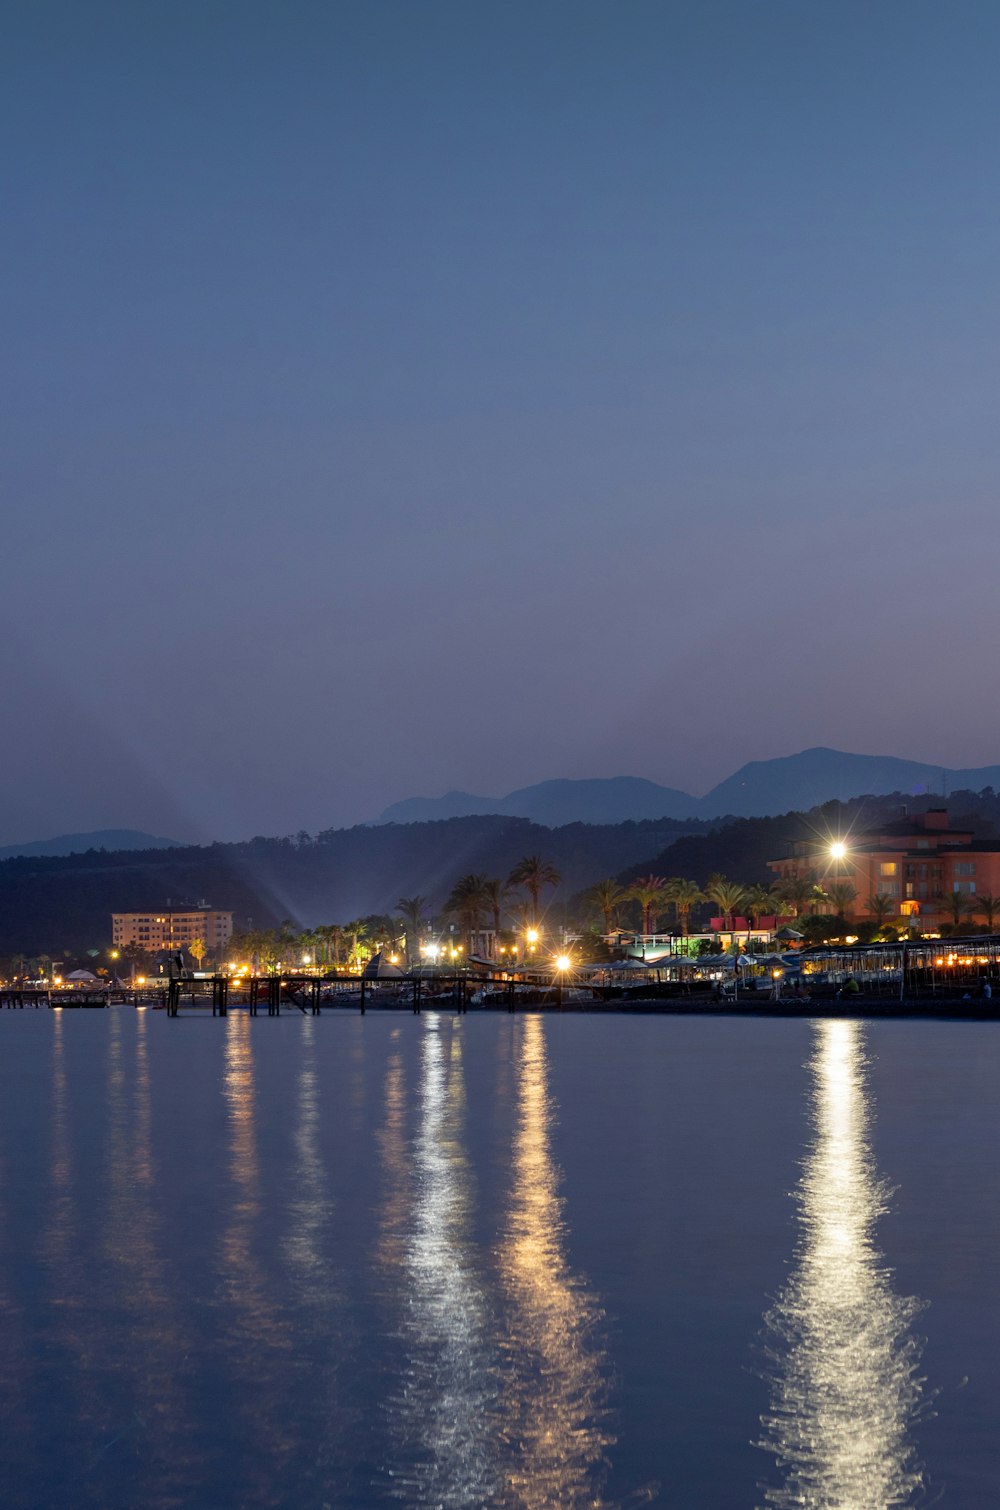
point(173, 929)
point(915, 863)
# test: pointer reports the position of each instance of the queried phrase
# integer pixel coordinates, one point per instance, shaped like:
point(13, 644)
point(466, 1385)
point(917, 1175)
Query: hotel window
point(963, 868)
point(888, 888)
point(968, 888)
point(888, 868)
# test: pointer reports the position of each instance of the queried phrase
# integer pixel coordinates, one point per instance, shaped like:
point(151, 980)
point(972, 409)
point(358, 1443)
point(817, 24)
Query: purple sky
point(399, 397)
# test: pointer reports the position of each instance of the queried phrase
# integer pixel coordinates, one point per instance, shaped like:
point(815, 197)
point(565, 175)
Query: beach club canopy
point(379, 968)
point(87, 975)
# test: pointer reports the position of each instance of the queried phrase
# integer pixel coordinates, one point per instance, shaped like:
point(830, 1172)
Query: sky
point(400, 397)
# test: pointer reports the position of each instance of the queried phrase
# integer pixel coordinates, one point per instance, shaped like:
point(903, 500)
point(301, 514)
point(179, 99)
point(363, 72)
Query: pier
point(311, 995)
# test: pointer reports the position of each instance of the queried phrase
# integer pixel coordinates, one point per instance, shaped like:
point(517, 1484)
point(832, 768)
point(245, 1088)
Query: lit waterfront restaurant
point(173, 929)
point(915, 862)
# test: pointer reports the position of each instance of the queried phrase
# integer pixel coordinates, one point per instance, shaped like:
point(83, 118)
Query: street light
point(838, 849)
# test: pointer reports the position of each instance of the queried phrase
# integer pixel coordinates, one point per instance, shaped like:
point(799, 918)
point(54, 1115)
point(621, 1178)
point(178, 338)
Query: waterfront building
point(173, 928)
point(916, 863)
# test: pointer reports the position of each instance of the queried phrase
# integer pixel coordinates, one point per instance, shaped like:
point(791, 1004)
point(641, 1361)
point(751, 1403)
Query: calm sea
point(496, 1260)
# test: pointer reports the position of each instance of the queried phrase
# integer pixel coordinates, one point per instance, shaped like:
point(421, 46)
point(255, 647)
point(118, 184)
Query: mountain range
point(79, 844)
point(760, 789)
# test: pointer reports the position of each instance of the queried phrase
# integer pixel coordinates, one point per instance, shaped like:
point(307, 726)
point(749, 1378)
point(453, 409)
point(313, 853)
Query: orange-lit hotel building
point(172, 929)
point(916, 862)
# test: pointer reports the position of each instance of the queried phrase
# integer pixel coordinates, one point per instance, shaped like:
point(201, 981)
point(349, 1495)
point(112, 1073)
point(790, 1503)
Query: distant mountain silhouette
point(761, 789)
point(764, 788)
point(616, 799)
point(78, 844)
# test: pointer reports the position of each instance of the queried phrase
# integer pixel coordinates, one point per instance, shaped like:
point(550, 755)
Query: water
point(577, 1261)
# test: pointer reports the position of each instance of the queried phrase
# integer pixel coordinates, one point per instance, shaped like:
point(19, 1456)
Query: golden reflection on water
point(310, 1204)
point(554, 1424)
point(845, 1385)
point(255, 1336)
point(441, 1416)
point(134, 1243)
point(394, 1209)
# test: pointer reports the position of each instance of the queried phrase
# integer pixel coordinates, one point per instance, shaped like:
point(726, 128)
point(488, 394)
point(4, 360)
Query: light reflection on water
point(440, 1416)
point(504, 1395)
point(256, 1338)
point(845, 1383)
point(340, 1262)
point(554, 1424)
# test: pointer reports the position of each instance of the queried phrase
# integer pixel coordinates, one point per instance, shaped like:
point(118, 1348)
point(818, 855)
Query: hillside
point(49, 904)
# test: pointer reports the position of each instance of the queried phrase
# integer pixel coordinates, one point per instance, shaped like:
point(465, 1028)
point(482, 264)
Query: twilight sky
point(406, 396)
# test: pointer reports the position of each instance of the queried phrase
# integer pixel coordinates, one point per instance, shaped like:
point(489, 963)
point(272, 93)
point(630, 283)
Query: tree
point(959, 905)
point(684, 895)
point(651, 894)
point(330, 937)
point(411, 912)
point(760, 902)
point(355, 931)
point(842, 894)
point(797, 893)
point(495, 894)
point(137, 958)
point(881, 909)
point(197, 950)
point(534, 873)
point(466, 903)
point(728, 895)
point(989, 906)
point(607, 897)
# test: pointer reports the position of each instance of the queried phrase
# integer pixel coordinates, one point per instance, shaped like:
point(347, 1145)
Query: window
point(966, 887)
point(888, 868)
point(923, 844)
point(963, 868)
point(888, 888)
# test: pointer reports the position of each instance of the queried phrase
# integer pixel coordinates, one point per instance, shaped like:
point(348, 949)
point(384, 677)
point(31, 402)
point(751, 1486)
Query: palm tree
point(989, 906)
point(308, 943)
point(881, 909)
point(651, 894)
point(607, 896)
point(467, 902)
point(797, 892)
point(329, 936)
point(760, 902)
point(355, 932)
point(495, 895)
point(841, 894)
point(411, 911)
point(728, 895)
point(534, 873)
point(959, 905)
point(684, 895)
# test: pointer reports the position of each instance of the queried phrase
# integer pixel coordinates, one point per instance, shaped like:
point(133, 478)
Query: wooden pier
point(311, 995)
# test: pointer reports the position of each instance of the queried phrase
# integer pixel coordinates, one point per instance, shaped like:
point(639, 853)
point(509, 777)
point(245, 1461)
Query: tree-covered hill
point(55, 904)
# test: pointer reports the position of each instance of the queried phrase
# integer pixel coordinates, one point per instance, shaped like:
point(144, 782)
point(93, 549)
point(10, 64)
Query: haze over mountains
point(760, 789)
point(78, 844)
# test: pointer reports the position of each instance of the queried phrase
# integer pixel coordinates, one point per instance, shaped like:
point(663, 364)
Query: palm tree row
point(476, 896)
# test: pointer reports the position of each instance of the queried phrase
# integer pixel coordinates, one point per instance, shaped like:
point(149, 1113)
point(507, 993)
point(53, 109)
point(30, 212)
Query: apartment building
point(173, 928)
point(915, 862)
